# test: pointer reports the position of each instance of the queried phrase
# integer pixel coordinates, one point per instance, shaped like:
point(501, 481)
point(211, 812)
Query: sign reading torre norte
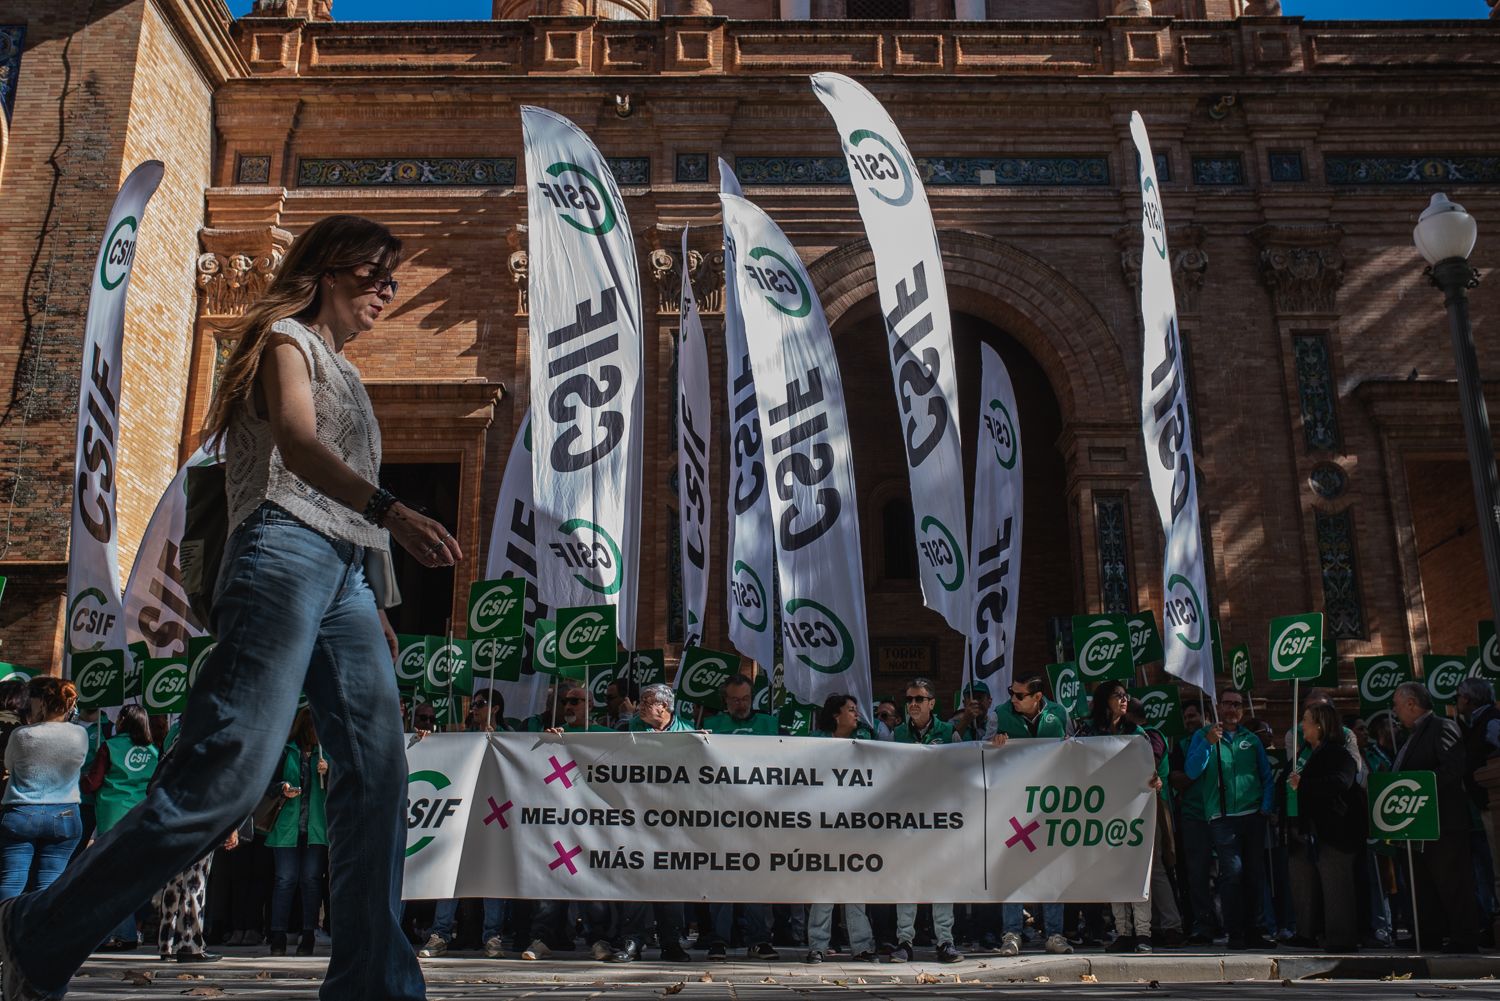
point(1292, 158)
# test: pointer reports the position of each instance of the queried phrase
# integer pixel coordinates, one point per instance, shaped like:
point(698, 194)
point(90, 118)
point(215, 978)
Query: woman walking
point(120, 775)
point(299, 838)
point(1332, 816)
point(40, 821)
point(293, 611)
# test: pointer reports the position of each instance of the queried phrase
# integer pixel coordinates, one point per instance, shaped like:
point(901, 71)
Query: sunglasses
point(1022, 694)
point(919, 698)
point(571, 702)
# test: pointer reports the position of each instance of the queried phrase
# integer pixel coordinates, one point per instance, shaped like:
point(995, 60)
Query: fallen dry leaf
point(706, 978)
point(860, 980)
point(189, 976)
point(138, 978)
point(1396, 976)
point(767, 980)
point(1088, 978)
point(1044, 980)
point(207, 991)
point(671, 989)
point(263, 975)
point(928, 978)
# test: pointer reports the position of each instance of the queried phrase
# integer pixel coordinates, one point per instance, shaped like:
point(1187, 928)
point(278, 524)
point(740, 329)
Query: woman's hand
point(290, 791)
point(323, 767)
point(998, 740)
point(390, 635)
point(1294, 780)
point(424, 538)
point(233, 841)
point(1154, 784)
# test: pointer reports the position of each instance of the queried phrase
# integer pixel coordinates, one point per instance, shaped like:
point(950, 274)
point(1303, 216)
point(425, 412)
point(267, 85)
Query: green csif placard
point(1296, 645)
point(1101, 645)
point(702, 673)
point(1145, 638)
point(1404, 806)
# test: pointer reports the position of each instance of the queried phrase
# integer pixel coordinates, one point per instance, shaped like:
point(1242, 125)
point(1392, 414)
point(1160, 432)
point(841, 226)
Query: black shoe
point(1122, 943)
point(305, 943)
point(816, 956)
point(183, 956)
point(946, 953)
point(628, 953)
point(675, 953)
point(1171, 939)
point(1301, 942)
point(765, 952)
point(1259, 943)
point(278, 943)
point(119, 945)
point(1198, 938)
point(902, 953)
point(717, 953)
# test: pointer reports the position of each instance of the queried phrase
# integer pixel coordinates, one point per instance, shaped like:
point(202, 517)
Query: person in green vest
point(657, 711)
point(298, 838)
point(551, 710)
point(122, 770)
point(575, 713)
point(923, 727)
point(1232, 775)
point(839, 718)
point(738, 715)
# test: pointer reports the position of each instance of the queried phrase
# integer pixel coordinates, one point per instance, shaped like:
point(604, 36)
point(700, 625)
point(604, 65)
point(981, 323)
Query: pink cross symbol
point(565, 857)
point(497, 812)
point(1022, 834)
point(561, 771)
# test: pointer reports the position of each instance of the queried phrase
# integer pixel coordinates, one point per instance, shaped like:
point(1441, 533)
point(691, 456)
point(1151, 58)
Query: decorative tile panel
point(630, 170)
point(1285, 166)
point(956, 171)
point(1379, 168)
point(1111, 516)
point(691, 168)
point(252, 168)
point(1342, 608)
point(440, 172)
point(1327, 480)
point(12, 40)
point(1315, 391)
point(1221, 170)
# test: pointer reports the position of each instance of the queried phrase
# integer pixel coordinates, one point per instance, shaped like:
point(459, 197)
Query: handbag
point(204, 531)
point(267, 810)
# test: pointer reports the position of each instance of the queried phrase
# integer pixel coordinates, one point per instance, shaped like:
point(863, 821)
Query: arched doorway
point(906, 637)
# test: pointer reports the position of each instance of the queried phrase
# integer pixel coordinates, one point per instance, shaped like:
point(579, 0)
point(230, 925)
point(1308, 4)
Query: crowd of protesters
point(1256, 846)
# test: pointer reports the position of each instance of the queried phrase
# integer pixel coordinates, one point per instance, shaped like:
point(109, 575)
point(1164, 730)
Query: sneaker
point(494, 948)
point(1122, 943)
point(1143, 945)
point(436, 946)
point(536, 950)
point(816, 956)
point(947, 953)
point(765, 952)
point(1058, 946)
point(717, 953)
point(1010, 944)
point(602, 950)
point(902, 953)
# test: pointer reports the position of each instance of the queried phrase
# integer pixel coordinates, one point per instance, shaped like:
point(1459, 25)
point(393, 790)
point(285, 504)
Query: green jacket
point(676, 726)
point(760, 724)
point(130, 771)
point(313, 802)
point(938, 732)
point(1052, 721)
point(1238, 782)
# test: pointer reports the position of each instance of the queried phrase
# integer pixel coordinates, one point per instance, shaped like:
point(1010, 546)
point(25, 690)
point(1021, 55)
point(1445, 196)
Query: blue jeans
point(757, 918)
point(1240, 844)
point(294, 614)
point(856, 923)
point(446, 918)
point(299, 865)
point(43, 833)
point(1011, 918)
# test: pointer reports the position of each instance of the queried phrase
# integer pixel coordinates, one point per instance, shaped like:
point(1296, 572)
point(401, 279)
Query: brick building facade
point(1295, 157)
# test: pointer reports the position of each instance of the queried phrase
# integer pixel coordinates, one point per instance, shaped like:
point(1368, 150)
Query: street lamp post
point(1445, 235)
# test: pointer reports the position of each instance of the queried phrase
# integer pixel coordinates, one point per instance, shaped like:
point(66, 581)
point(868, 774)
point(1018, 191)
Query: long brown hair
point(330, 244)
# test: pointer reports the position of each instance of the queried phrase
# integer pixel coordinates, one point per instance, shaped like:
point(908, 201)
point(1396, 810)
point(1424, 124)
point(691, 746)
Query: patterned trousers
point(182, 910)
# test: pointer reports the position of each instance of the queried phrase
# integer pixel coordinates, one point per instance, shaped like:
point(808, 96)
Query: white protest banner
point(443, 772)
point(800, 395)
point(1169, 441)
point(585, 302)
point(96, 611)
point(512, 553)
point(688, 816)
point(914, 300)
point(995, 549)
point(694, 432)
point(751, 541)
point(156, 607)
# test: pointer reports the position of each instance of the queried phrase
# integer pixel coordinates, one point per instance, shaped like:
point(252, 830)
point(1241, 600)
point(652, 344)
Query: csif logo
point(166, 686)
point(1151, 212)
point(1158, 707)
point(492, 607)
point(942, 553)
point(94, 677)
point(817, 636)
point(137, 758)
point(781, 281)
point(90, 621)
point(1239, 669)
point(1378, 683)
point(545, 652)
point(493, 653)
point(885, 171)
point(1068, 685)
point(119, 252)
point(426, 812)
point(580, 197)
point(749, 597)
point(1294, 643)
point(411, 661)
point(578, 642)
point(1182, 613)
point(591, 549)
point(1102, 650)
point(197, 663)
point(702, 679)
point(1444, 674)
point(1398, 806)
point(1001, 428)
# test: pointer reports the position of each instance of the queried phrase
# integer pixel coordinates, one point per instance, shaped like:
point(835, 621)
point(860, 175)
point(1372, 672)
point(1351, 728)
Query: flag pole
point(1411, 879)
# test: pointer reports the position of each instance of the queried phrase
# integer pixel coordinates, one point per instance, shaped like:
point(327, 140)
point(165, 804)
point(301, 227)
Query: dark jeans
point(294, 614)
point(1325, 896)
point(42, 833)
point(756, 918)
point(1240, 844)
point(1198, 852)
point(302, 866)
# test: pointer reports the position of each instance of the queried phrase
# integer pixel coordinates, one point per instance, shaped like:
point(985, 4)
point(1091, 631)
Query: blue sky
point(479, 10)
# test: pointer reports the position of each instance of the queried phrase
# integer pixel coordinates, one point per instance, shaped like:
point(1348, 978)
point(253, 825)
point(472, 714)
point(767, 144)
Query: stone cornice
point(204, 28)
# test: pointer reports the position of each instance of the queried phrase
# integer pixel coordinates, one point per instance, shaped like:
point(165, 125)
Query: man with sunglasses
point(1030, 714)
point(922, 727)
point(974, 720)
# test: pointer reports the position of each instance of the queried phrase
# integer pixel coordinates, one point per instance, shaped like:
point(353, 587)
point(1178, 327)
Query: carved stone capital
point(1189, 261)
point(1302, 266)
point(236, 266)
point(520, 272)
point(708, 280)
